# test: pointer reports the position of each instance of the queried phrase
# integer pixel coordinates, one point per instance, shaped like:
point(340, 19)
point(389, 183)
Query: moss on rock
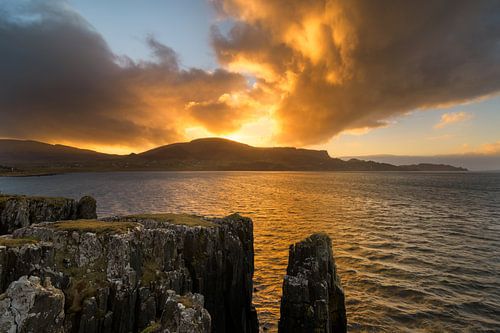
point(183, 219)
point(94, 226)
point(84, 280)
point(150, 272)
point(153, 327)
point(17, 242)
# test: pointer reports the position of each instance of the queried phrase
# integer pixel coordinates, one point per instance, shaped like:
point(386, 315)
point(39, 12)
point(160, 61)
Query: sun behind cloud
point(289, 72)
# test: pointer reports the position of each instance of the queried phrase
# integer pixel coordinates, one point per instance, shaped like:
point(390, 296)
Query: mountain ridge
point(471, 161)
point(205, 154)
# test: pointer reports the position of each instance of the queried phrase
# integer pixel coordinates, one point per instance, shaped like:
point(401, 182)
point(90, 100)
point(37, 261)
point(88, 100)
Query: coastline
point(28, 173)
point(417, 215)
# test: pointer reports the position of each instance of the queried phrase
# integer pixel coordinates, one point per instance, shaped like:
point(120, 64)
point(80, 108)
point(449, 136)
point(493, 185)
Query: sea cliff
point(150, 273)
point(313, 299)
point(122, 274)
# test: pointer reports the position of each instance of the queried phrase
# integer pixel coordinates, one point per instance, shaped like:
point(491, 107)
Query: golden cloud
point(61, 83)
point(339, 65)
point(454, 117)
point(319, 68)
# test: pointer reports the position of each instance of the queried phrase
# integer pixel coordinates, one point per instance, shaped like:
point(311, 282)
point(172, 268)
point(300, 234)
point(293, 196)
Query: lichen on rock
point(185, 314)
point(30, 306)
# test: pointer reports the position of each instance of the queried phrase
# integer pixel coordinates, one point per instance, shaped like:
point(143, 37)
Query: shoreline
point(55, 173)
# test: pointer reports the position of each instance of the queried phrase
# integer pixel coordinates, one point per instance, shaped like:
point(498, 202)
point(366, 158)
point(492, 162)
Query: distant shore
point(31, 158)
point(29, 173)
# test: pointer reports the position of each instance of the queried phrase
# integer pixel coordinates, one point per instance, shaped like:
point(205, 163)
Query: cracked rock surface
point(121, 275)
point(313, 299)
point(17, 211)
point(30, 306)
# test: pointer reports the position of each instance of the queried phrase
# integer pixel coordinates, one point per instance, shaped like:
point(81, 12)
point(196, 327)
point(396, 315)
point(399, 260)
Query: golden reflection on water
point(414, 251)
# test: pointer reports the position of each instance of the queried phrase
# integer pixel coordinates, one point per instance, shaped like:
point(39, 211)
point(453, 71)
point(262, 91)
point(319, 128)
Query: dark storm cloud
point(60, 81)
point(343, 65)
point(321, 67)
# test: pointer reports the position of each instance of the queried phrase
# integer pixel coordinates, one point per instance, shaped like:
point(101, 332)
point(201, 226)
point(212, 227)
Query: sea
point(416, 252)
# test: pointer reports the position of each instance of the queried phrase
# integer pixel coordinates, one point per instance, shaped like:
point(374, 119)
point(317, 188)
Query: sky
point(352, 77)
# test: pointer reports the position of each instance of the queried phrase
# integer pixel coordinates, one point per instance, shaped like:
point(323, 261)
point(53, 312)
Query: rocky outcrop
point(122, 275)
point(19, 257)
point(18, 211)
point(29, 306)
point(185, 314)
point(86, 208)
point(313, 300)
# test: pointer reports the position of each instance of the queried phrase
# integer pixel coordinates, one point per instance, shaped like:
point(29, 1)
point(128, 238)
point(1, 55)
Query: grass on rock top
point(184, 219)
point(94, 226)
point(16, 242)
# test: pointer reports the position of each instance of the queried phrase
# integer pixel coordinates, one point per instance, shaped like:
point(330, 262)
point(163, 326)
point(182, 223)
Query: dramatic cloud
point(453, 117)
point(347, 64)
point(60, 82)
point(318, 68)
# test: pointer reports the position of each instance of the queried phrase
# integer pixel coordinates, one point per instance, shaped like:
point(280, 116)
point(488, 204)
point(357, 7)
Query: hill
point(471, 161)
point(31, 157)
point(27, 152)
point(216, 153)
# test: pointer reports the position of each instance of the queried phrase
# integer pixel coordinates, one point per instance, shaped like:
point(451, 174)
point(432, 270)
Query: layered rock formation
point(313, 300)
point(149, 273)
point(121, 275)
point(17, 211)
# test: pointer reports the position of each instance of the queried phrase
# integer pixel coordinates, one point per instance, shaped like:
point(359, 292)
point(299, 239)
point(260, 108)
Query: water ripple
point(417, 252)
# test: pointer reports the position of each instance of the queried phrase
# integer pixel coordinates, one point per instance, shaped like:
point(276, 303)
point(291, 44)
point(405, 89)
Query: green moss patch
point(183, 219)
point(85, 281)
point(16, 242)
point(149, 270)
point(94, 226)
point(153, 327)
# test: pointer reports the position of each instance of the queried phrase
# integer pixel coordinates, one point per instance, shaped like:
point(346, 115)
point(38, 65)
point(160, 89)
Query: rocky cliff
point(127, 274)
point(313, 300)
point(17, 211)
point(149, 273)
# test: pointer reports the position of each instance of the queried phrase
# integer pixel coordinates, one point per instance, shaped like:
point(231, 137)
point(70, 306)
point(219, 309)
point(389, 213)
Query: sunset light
point(249, 166)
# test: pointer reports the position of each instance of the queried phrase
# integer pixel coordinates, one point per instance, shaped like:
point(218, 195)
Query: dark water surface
point(416, 252)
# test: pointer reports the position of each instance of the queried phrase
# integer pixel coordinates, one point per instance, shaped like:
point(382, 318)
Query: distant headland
point(33, 158)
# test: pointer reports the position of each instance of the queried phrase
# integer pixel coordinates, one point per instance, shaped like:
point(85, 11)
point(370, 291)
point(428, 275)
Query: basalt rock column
point(313, 300)
point(125, 274)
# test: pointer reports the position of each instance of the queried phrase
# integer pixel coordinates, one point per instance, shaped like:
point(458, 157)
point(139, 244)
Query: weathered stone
point(29, 306)
point(21, 259)
point(86, 208)
point(219, 262)
point(90, 316)
point(17, 211)
point(185, 314)
point(313, 300)
point(116, 275)
point(147, 308)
